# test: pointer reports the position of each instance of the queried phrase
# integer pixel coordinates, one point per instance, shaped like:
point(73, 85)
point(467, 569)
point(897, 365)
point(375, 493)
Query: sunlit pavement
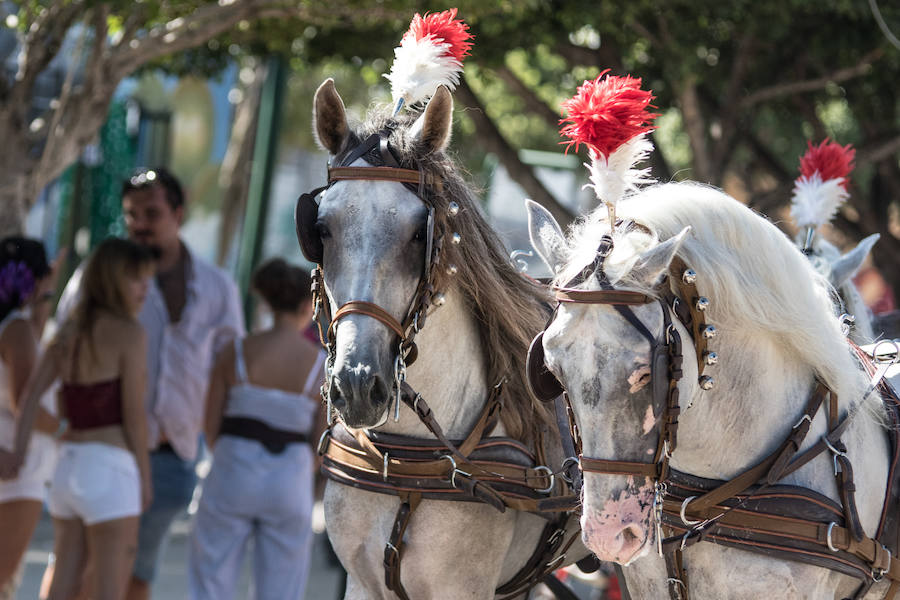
point(171, 582)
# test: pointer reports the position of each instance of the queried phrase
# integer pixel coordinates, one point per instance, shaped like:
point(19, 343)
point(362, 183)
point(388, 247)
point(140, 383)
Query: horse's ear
point(655, 261)
point(434, 126)
point(330, 118)
point(547, 238)
point(847, 266)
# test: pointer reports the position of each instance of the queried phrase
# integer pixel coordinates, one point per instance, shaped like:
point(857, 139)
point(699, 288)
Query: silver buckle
point(803, 418)
point(399, 378)
point(835, 452)
point(684, 519)
point(384, 471)
point(568, 462)
point(455, 470)
point(552, 477)
point(828, 537)
point(320, 448)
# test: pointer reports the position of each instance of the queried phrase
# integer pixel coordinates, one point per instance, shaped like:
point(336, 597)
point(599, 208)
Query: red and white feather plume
point(611, 116)
point(430, 54)
point(822, 186)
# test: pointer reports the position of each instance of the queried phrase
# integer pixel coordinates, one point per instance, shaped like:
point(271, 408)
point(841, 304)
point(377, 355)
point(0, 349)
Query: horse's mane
point(510, 308)
point(757, 281)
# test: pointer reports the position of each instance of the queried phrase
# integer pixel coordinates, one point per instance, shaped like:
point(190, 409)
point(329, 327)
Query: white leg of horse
point(442, 543)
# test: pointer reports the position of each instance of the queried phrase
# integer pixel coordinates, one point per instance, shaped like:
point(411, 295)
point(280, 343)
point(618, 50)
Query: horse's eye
point(322, 230)
point(421, 234)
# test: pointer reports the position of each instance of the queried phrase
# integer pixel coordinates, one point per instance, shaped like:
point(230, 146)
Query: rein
point(497, 471)
point(750, 511)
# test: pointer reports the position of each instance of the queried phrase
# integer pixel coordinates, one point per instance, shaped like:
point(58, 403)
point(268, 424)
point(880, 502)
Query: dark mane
point(509, 307)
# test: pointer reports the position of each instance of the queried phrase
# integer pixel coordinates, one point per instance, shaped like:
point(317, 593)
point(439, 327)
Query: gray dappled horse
point(775, 337)
point(840, 270)
point(390, 259)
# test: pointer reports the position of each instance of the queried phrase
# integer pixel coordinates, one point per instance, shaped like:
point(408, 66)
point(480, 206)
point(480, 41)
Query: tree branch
point(695, 127)
point(531, 100)
point(878, 153)
point(518, 171)
point(811, 85)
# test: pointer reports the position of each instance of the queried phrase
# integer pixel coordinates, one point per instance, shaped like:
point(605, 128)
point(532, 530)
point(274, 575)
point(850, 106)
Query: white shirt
point(180, 355)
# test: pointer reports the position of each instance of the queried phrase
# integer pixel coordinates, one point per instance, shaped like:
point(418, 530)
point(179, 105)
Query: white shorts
point(95, 482)
point(36, 472)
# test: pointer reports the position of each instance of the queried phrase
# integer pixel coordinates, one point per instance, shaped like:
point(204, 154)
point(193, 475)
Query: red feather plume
point(829, 159)
point(607, 112)
point(444, 28)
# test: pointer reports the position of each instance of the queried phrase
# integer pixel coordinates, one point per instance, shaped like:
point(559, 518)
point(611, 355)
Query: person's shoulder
point(124, 331)
point(207, 272)
point(17, 331)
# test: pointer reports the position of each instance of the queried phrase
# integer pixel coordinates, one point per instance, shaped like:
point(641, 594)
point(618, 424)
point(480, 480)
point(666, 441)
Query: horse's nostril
point(379, 392)
point(630, 536)
point(337, 398)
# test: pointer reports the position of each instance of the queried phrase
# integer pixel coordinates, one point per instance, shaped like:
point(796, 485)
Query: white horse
point(777, 333)
point(483, 313)
point(839, 270)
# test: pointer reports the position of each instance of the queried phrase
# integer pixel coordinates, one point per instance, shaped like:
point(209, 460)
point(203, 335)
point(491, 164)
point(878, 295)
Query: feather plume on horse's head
point(822, 185)
point(610, 116)
point(430, 54)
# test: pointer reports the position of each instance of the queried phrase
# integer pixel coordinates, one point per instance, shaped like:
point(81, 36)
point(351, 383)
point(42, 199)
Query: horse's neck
point(760, 393)
point(861, 332)
point(450, 372)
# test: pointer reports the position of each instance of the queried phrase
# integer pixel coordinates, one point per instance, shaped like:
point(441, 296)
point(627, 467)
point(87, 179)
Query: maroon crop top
point(91, 405)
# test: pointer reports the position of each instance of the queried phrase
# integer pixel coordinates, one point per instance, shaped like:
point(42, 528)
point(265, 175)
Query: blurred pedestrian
point(102, 479)
point(263, 413)
point(192, 310)
point(25, 278)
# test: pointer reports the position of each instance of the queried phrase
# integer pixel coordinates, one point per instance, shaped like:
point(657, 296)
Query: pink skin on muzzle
point(619, 529)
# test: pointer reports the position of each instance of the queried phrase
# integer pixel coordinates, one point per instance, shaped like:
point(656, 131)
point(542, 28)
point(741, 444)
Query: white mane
point(757, 281)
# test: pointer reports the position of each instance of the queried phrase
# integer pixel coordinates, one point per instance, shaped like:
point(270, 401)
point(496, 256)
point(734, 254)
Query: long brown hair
point(113, 261)
point(509, 307)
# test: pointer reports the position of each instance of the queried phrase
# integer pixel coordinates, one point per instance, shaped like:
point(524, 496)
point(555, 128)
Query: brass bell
point(439, 299)
point(689, 276)
point(453, 209)
point(702, 303)
point(709, 332)
point(452, 270)
point(706, 382)
point(455, 238)
point(711, 358)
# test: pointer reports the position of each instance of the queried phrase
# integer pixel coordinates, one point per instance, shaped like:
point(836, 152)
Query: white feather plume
point(815, 202)
point(420, 66)
point(611, 178)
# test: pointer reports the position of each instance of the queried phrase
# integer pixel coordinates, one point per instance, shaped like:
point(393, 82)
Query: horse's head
point(612, 372)
point(829, 262)
point(375, 248)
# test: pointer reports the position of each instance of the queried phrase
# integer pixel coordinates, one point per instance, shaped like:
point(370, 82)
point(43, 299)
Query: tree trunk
point(234, 176)
point(12, 212)
point(522, 174)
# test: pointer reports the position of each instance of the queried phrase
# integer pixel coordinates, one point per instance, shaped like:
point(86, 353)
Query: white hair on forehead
point(756, 279)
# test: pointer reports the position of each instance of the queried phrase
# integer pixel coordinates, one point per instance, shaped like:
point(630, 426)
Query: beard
point(145, 240)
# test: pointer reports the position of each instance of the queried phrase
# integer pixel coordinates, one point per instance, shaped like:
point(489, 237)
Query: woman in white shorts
point(101, 482)
point(262, 413)
point(24, 281)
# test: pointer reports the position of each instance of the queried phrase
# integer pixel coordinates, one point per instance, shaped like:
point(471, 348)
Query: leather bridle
point(375, 149)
